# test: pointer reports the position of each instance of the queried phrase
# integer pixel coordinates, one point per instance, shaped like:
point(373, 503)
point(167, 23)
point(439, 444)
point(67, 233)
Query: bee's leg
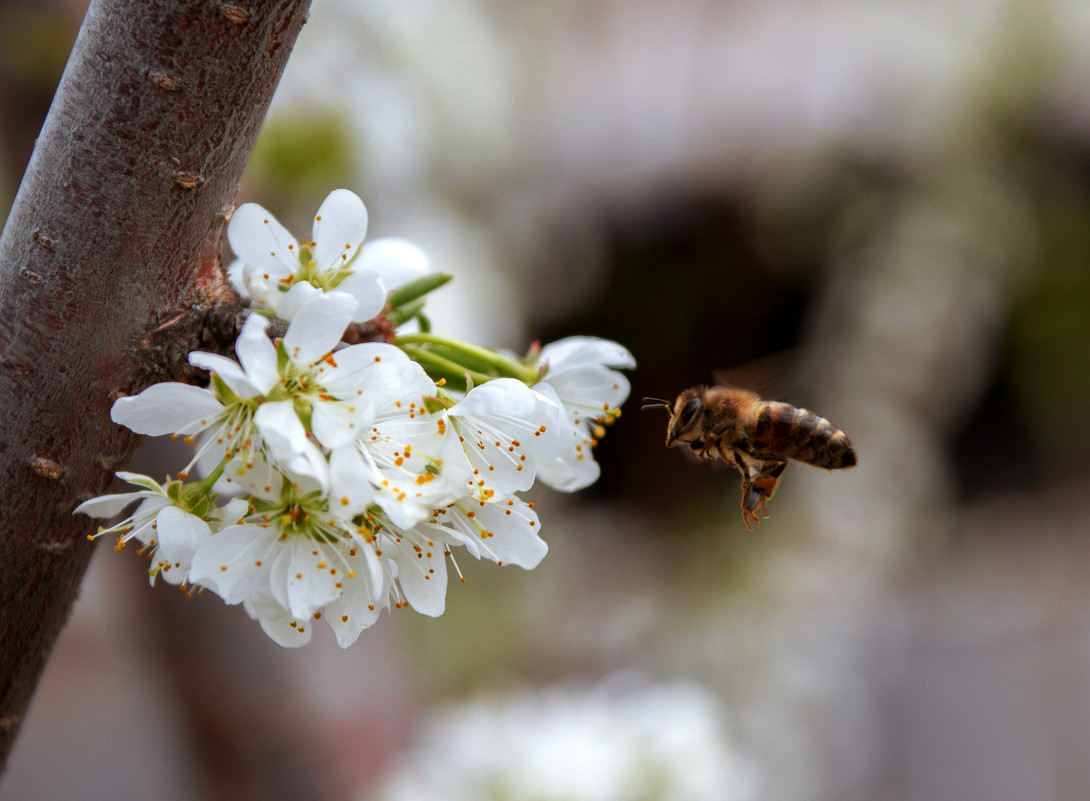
point(751, 499)
point(702, 448)
point(758, 489)
point(705, 448)
point(767, 481)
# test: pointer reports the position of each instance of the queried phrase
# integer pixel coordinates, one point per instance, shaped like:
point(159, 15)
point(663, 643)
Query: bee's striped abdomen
point(791, 433)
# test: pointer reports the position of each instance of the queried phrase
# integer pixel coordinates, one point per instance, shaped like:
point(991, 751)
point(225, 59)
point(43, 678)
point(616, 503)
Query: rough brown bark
point(116, 222)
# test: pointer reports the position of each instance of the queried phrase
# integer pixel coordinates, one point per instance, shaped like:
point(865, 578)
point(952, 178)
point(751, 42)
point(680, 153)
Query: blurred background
point(878, 210)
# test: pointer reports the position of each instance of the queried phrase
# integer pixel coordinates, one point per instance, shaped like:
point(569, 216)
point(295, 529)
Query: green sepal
point(446, 397)
point(140, 480)
point(433, 404)
point(304, 412)
point(418, 288)
point(196, 497)
point(222, 392)
point(402, 314)
point(282, 357)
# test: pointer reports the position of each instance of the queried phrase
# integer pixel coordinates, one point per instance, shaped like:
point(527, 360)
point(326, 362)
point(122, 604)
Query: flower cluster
point(618, 740)
point(333, 481)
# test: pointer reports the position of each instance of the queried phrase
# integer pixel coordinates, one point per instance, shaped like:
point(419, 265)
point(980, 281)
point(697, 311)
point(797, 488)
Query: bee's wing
point(773, 377)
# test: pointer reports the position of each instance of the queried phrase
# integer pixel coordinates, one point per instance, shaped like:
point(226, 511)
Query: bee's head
point(686, 417)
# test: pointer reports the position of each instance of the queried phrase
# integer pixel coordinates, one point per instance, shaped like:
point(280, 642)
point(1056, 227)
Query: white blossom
point(613, 742)
point(578, 376)
point(287, 564)
point(253, 414)
point(280, 274)
point(339, 480)
point(505, 429)
point(169, 533)
point(407, 461)
point(502, 529)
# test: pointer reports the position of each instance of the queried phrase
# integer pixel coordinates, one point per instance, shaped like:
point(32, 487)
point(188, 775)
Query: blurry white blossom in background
point(617, 741)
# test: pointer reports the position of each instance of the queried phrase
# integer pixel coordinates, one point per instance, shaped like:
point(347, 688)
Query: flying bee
point(756, 436)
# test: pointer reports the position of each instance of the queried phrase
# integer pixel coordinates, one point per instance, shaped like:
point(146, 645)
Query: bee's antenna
point(657, 403)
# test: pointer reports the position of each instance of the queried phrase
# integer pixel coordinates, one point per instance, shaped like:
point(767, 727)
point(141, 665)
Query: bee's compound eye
point(690, 410)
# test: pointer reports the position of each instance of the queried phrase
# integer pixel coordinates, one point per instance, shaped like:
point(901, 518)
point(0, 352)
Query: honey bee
point(756, 436)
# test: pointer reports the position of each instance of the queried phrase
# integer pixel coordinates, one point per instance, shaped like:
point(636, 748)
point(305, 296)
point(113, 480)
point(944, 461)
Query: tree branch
point(117, 220)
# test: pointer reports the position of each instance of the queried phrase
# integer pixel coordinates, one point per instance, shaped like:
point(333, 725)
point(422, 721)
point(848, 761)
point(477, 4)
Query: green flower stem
point(482, 358)
point(467, 361)
point(438, 367)
point(204, 485)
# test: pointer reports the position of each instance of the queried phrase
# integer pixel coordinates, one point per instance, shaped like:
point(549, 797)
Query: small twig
point(213, 324)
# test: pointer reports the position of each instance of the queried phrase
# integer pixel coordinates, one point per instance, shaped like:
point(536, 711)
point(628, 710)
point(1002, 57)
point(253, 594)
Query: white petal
point(278, 623)
point(369, 292)
point(234, 509)
point(287, 441)
point(353, 612)
point(582, 351)
point(588, 392)
point(287, 304)
point(236, 276)
point(247, 471)
point(264, 288)
point(307, 472)
point(518, 409)
point(260, 241)
point(180, 534)
point(170, 572)
point(318, 326)
point(278, 576)
point(335, 422)
point(257, 354)
point(571, 472)
point(231, 372)
point(285, 631)
point(142, 521)
point(364, 595)
point(339, 228)
point(376, 574)
point(575, 467)
point(344, 375)
point(313, 575)
point(505, 531)
point(416, 464)
point(382, 384)
point(105, 506)
point(168, 408)
point(505, 427)
point(397, 261)
point(555, 440)
point(281, 429)
point(423, 577)
point(235, 562)
point(349, 490)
